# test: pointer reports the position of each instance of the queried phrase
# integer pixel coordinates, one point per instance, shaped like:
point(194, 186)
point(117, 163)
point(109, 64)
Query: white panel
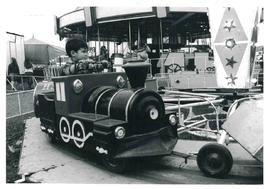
point(175, 58)
point(102, 12)
point(58, 93)
point(201, 60)
point(62, 89)
point(71, 18)
point(161, 12)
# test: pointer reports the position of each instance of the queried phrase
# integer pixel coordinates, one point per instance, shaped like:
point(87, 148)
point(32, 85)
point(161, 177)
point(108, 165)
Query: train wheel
point(215, 160)
point(115, 165)
point(64, 129)
point(78, 133)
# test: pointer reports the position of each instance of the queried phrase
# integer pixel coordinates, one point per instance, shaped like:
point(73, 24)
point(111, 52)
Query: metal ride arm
point(191, 126)
point(213, 159)
point(209, 99)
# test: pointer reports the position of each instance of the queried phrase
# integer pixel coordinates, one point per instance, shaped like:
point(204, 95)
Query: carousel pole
point(161, 35)
point(139, 37)
point(86, 36)
point(98, 42)
point(162, 69)
point(129, 35)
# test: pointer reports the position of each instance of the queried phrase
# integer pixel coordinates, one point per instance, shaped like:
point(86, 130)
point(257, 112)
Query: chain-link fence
point(19, 103)
point(19, 95)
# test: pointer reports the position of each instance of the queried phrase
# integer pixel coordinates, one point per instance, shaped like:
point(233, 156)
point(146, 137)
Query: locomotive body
point(100, 113)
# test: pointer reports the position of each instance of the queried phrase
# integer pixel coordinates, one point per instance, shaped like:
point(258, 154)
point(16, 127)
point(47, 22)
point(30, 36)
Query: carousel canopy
point(126, 23)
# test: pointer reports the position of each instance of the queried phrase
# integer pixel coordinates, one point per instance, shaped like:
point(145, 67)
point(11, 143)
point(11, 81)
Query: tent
point(40, 52)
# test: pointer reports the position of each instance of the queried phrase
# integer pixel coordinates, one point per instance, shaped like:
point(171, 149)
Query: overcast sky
point(38, 22)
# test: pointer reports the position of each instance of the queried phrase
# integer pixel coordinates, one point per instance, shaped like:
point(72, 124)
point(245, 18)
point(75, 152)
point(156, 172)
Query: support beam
point(182, 19)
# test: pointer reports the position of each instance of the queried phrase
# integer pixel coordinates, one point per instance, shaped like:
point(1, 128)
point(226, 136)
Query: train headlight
point(153, 113)
point(173, 119)
point(120, 81)
point(77, 86)
point(119, 132)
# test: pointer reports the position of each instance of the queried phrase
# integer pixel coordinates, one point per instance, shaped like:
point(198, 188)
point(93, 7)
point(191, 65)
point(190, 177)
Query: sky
point(37, 22)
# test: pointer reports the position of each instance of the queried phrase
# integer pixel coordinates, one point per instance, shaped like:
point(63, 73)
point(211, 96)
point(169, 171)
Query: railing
point(51, 71)
point(19, 103)
point(257, 74)
point(19, 95)
point(22, 82)
point(205, 65)
point(180, 77)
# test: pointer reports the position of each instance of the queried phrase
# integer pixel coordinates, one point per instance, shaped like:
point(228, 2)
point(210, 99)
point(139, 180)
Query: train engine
point(111, 114)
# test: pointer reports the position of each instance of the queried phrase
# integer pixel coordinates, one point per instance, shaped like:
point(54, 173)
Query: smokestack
point(136, 72)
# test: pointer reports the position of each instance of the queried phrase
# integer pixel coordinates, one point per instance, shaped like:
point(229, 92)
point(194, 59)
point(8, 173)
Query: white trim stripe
point(129, 100)
point(62, 89)
point(57, 88)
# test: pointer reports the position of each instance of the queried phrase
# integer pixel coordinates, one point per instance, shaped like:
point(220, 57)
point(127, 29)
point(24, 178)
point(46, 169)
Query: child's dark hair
point(75, 44)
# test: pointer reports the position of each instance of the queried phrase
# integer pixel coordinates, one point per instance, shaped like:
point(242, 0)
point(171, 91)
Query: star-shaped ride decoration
point(232, 82)
point(229, 24)
point(230, 61)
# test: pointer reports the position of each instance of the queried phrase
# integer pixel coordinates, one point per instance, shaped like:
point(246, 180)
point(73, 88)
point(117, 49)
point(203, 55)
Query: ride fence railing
point(174, 73)
point(19, 95)
point(167, 64)
point(22, 82)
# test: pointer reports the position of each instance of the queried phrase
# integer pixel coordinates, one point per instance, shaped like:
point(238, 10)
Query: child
point(77, 50)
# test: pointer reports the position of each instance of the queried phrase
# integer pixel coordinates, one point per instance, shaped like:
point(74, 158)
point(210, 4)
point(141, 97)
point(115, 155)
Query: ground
point(14, 139)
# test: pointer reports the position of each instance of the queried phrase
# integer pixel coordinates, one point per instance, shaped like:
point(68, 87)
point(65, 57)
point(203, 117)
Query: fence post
point(19, 103)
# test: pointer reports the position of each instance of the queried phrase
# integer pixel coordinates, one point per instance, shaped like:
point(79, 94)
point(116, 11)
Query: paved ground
point(47, 163)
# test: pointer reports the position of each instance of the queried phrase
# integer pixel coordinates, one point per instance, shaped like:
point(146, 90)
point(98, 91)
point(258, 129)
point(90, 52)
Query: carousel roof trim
point(88, 21)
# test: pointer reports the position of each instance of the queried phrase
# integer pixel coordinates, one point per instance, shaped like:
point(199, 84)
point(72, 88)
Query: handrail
point(21, 78)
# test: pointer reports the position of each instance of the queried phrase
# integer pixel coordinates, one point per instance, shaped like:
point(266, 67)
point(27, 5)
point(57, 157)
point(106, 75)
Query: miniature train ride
point(98, 112)
point(115, 116)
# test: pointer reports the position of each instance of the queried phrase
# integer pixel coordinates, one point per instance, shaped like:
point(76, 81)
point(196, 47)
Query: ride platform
point(43, 162)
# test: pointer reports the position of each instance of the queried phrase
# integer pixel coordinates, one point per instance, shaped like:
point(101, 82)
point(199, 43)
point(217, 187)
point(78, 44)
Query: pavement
point(43, 162)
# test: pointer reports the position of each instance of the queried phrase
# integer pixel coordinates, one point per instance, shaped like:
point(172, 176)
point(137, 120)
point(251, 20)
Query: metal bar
point(19, 115)
point(207, 130)
point(139, 37)
point(20, 92)
point(22, 83)
point(12, 86)
point(129, 35)
point(183, 99)
point(192, 94)
point(191, 126)
point(119, 19)
point(222, 137)
point(150, 67)
point(19, 103)
point(98, 42)
point(175, 107)
point(161, 35)
point(179, 112)
point(184, 155)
